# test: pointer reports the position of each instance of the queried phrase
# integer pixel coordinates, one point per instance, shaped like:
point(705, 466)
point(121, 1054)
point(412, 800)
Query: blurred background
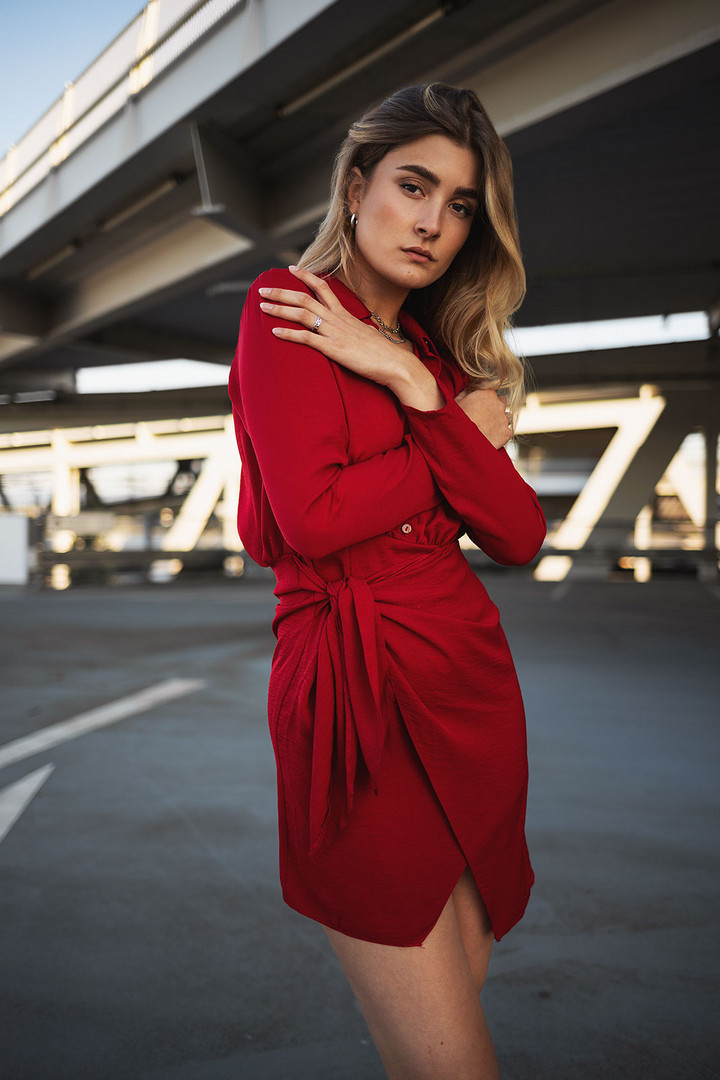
point(153, 161)
point(159, 158)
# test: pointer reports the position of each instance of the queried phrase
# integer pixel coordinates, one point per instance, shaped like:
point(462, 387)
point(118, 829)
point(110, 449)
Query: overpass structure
point(196, 151)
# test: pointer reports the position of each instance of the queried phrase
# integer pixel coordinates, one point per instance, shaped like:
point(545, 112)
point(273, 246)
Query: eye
point(462, 209)
point(412, 186)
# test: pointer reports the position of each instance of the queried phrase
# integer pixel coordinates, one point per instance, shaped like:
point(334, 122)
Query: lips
point(422, 253)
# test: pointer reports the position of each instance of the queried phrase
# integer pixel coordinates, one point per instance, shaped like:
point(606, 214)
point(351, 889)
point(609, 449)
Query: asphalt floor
point(142, 931)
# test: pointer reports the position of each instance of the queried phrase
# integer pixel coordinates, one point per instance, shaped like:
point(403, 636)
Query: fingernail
point(266, 307)
point(277, 330)
point(292, 267)
point(264, 292)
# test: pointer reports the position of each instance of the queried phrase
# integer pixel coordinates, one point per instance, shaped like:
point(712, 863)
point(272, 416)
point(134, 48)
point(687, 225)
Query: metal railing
point(155, 38)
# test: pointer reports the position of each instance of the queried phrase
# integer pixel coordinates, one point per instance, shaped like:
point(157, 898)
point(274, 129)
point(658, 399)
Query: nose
point(428, 223)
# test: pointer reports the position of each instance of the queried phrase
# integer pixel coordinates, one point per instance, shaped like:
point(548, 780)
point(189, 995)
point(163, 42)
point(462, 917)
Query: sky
point(46, 43)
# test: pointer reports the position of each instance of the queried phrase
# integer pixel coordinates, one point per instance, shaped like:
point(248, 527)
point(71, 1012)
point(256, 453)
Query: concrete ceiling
point(610, 115)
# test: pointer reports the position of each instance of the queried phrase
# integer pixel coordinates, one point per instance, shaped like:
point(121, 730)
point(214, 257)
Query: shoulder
point(281, 278)
point(252, 321)
point(278, 278)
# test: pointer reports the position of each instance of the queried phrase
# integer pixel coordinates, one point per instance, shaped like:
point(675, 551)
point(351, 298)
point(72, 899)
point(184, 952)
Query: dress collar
point(349, 300)
point(411, 328)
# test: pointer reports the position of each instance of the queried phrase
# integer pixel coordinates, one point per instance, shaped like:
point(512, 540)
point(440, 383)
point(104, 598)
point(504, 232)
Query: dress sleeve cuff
point(451, 427)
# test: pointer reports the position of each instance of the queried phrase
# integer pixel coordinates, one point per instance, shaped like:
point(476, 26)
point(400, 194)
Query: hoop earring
point(353, 221)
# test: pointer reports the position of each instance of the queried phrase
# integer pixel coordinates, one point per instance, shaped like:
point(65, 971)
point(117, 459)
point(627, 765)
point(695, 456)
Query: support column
point(709, 566)
point(227, 508)
point(65, 492)
point(66, 479)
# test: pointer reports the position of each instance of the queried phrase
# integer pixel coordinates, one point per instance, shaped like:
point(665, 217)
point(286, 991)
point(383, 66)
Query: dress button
point(406, 528)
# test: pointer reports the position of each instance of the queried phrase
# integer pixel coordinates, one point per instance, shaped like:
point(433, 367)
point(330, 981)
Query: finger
point(287, 296)
point(293, 314)
point(300, 337)
point(318, 285)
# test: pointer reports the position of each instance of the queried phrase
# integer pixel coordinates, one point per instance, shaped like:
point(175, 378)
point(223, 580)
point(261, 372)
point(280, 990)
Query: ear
point(356, 190)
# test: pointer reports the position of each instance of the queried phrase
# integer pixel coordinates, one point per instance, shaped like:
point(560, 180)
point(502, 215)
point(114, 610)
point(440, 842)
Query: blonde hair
point(468, 309)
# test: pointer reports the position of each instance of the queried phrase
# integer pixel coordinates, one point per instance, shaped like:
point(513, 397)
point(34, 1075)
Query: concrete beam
point(219, 471)
point(92, 409)
point(249, 31)
point(714, 318)
point(635, 489)
point(166, 265)
point(649, 431)
point(640, 363)
point(712, 435)
point(293, 208)
point(546, 69)
point(26, 380)
point(21, 313)
point(605, 48)
point(69, 451)
point(12, 346)
point(136, 217)
point(229, 195)
point(135, 281)
point(633, 418)
point(128, 343)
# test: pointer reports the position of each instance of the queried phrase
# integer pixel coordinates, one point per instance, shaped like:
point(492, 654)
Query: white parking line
point(101, 717)
point(15, 798)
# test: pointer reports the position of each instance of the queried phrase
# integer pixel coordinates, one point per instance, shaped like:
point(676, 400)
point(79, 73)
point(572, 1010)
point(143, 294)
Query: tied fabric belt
point(350, 669)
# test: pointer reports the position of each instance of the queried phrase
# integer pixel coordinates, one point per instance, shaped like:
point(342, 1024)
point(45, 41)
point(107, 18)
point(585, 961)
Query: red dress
point(394, 709)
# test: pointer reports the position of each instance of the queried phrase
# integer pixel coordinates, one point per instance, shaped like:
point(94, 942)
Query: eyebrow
point(431, 177)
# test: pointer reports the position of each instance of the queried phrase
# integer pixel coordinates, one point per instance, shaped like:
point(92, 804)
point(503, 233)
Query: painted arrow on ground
point(15, 798)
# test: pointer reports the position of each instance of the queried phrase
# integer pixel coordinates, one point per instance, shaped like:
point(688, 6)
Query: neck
point(385, 303)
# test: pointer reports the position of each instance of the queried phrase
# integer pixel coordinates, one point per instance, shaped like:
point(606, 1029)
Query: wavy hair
point(468, 309)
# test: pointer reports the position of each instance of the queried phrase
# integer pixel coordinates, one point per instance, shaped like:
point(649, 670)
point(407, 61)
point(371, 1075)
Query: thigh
point(421, 1004)
point(475, 927)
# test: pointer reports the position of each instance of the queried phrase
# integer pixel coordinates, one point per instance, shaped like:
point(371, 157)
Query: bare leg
point(421, 1004)
point(475, 927)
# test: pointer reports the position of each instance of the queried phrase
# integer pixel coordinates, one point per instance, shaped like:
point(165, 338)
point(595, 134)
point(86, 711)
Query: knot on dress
point(348, 718)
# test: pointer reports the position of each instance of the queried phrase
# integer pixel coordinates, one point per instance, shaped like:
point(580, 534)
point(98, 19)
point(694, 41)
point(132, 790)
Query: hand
point(349, 341)
point(486, 409)
point(340, 336)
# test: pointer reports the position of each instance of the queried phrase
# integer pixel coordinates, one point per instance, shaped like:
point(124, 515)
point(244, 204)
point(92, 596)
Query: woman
point(368, 449)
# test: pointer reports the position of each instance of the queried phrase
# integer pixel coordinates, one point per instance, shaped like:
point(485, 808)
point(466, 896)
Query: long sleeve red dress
point(394, 709)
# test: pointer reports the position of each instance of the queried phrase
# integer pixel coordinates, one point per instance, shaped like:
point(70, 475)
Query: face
point(414, 214)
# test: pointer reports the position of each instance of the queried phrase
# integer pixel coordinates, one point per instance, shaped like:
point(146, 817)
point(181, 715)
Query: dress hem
point(415, 943)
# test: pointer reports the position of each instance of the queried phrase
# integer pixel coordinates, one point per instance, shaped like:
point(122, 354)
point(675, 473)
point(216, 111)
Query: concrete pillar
point(228, 507)
point(709, 566)
point(66, 479)
point(65, 493)
point(14, 549)
point(636, 486)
